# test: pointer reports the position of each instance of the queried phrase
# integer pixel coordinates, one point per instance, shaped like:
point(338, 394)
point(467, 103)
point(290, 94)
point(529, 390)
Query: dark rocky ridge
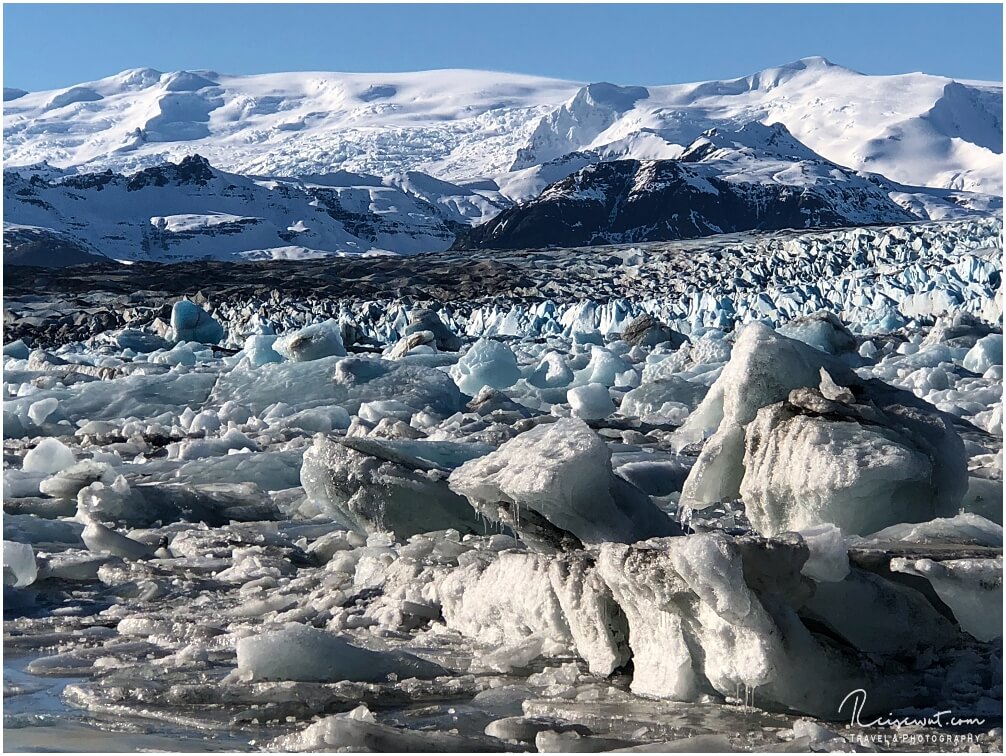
point(631, 201)
point(28, 245)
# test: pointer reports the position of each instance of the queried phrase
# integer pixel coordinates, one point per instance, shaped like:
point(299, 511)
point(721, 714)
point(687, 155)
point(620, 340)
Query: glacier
point(677, 495)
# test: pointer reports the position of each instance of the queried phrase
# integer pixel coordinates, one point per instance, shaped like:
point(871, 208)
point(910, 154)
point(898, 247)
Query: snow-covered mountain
point(308, 164)
point(450, 123)
point(460, 125)
point(913, 128)
point(757, 178)
point(190, 210)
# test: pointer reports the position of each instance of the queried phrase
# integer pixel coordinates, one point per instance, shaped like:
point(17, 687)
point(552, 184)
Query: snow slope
point(913, 128)
point(462, 125)
point(172, 213)
point(451, 122)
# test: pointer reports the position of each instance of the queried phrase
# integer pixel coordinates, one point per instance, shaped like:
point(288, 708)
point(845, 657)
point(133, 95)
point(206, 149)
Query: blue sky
point(50, 46)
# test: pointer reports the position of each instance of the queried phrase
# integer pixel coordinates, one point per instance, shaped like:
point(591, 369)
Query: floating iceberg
point(49, 456)
point(486, 363)
point(380, 485)
point(19, 566)
point(972, 588)
point(300, 652)
point(803, 441)
point(554, 485)
point(190, 322)
point(313, 342)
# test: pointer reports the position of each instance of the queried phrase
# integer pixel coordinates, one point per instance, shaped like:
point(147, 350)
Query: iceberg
point(486, 363)
point(382, 485)
point(313, 342)
point(304, 653)
point(972, 588)
point(190, 322)
point(19, 565)
point(554, 485)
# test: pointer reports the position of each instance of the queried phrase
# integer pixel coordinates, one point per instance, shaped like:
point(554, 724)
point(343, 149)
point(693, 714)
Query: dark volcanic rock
point(648, 331)
point(45, 248)
point(193, 169)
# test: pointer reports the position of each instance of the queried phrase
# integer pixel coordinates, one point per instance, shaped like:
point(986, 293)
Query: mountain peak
point(810, 63)
point(613, 96)
point(138, 78)
point(192, 169)
point(770, 78)
point(754, 136)
point(815, 61)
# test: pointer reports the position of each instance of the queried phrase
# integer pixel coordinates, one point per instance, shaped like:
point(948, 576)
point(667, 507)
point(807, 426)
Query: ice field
point(673, 497)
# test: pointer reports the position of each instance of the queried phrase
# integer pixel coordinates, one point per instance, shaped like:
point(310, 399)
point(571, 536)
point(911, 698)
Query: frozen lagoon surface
point(676, 497)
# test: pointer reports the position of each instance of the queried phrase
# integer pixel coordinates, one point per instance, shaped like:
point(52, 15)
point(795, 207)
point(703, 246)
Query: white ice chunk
point(206, 421)
point(561, 472)
point(358, 731)
point(590, 402)
point(988, 351)
point(258, 350)
point(73, 564)
point(604, 367)
point(18, 483)
point(67, 483)
point(822, 330)
point(695, 623)
point(303, 653)
point(479, 601)
point(861, 461)
point(102, 540)
point(40, 410)
point(49, 456)
point(764, 367)
point(19, 568)
point(800, 471)
point(486, 363)
point(972, 588)
point(667, 400)
point(551, 372)
point(376, 410)
point(313, 342)
point(562, 604)
point(964, 528)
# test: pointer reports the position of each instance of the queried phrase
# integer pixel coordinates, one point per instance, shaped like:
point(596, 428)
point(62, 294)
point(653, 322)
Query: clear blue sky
point(49, 46)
